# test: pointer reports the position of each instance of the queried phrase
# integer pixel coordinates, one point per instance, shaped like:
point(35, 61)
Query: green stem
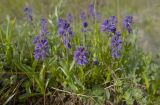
point(84, 40)
point(81, 75)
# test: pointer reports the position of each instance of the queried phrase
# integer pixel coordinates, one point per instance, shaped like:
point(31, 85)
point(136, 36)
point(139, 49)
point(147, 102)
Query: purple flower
point(28, 13)
point(85, 27)
point(115, 54)
point(105, 25)
point(85, 24)
point(41, 49)
point(127, 23)
point(36, 39)
point(65, 32)
point(81, 56)
point(112, 28)
point(91, 8)
point(116, 45)
point(41, 43)
point(44, 30)
point(70, 31)
point(61, 31)
point(113, 20)
point(110, 24)
point(64, 28)
point(66, 42)
point(83, 16)
point(116, 40)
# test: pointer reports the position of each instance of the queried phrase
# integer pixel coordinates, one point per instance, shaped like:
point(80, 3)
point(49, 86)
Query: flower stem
point(84, 40)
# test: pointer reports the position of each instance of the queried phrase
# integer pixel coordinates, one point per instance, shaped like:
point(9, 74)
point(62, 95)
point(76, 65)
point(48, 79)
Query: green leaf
point(24, 68)
point(42, 74)
point(28, 95)
point(64, 71)
point(72, 65)
point(146, 81)
point(34, 64)
point(79, 83)
point(40, 85)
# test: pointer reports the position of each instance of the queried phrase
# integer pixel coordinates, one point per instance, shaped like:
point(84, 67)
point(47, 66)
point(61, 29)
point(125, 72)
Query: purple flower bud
point(85, 24)
point(96, 63)
point(28, 13)
point(85, 27)
point(66, 42)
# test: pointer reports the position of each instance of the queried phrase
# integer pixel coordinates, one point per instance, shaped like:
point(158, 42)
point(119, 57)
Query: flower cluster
point(116, 45)
point(65, 32)
point(28, 13)
point(110, 24)
point(80, 55)
point(127, 23)
point(41, 43)
point(41, 49)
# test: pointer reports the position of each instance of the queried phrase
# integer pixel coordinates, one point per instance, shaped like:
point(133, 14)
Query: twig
point(71, 93)
point(109, 86)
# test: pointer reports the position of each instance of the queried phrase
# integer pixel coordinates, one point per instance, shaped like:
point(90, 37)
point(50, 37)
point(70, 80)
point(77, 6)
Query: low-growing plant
point(85, 61)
